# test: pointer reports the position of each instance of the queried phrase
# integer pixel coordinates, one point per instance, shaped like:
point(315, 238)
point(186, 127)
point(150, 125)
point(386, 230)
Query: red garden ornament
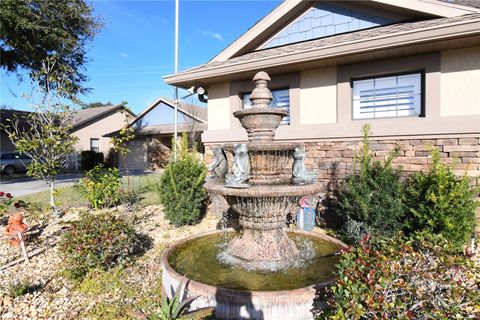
point(14, 227)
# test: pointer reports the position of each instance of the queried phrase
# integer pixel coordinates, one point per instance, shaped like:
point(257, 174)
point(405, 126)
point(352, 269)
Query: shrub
point(181, 187)
point(101, 187)
point(20, 287)
point(371, 198)
point(400, 278)
point(440, 203)
point(89, 159)
point(97, 241)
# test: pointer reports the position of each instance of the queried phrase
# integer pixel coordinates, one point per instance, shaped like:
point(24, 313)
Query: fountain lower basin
point(236, 293)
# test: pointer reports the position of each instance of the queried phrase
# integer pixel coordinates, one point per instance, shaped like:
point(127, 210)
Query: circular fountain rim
point(202, 286)
point(265, 190)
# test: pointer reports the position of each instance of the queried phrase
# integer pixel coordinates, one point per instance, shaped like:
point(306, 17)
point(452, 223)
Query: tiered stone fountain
point(259, 192)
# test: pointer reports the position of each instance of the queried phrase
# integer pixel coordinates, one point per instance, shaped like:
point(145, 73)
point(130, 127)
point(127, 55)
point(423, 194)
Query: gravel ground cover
point(131, 292)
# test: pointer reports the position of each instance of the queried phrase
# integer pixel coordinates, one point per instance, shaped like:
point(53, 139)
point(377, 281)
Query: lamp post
point(176, 88)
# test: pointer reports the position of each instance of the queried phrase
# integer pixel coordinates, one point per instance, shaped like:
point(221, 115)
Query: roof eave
point(412, 37)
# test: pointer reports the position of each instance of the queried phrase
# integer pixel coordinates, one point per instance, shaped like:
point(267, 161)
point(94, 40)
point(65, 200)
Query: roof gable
point(161, 112)
point(289, 10)
point(84, 116)
point(323, 20)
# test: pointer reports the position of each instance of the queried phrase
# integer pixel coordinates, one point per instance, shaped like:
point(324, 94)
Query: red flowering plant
point(6, 202)
point(405, 278)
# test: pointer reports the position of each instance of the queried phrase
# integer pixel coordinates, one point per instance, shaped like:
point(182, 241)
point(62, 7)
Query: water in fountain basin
point(198, 259)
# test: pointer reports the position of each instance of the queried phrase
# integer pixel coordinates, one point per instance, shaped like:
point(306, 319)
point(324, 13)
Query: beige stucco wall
point(318, 96)
point(460, 82)
point(97, 129)
point(219, 106)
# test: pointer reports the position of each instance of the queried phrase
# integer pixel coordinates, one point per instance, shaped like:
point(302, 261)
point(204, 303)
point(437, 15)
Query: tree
point(92, 105)
point(44, 135)
point(34, 30)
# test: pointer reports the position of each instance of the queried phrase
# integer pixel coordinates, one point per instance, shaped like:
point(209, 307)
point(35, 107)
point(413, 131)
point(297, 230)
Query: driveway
point(19, 185)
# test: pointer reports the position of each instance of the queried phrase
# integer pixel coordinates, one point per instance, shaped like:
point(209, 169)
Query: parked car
point(13, 162)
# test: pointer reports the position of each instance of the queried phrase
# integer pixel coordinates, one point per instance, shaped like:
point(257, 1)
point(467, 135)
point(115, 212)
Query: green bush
point(370, 200)
point(440, 203)
point(181, 187)
point(97, 241)
point(89, 159)
point(101, 187)
point(405, 278)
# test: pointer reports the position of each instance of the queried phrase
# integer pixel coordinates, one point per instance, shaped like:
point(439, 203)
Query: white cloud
point(211, 34)
point(124, 55)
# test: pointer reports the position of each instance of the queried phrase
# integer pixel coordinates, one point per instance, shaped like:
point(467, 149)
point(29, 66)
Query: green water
point(198, 260)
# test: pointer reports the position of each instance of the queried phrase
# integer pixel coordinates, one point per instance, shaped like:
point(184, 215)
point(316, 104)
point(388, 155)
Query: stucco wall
point(219, 106)
point(460, 82)
point(318, 96)
point(97, 129)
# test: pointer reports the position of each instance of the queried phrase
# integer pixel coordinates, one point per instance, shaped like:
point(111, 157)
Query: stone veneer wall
point(333, 160)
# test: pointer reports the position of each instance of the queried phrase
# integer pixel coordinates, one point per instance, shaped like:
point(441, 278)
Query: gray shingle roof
point(466, 3)
point(85, 115)
point(339, 39)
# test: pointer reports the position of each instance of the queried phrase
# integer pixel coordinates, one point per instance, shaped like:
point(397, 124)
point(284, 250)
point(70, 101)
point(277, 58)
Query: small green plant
point(181, 187)
point(370, 200)
point(101, 186)
point(440, 203)
point(404, 278)
point(98, 241)
point(173, 308)
point(19, 288)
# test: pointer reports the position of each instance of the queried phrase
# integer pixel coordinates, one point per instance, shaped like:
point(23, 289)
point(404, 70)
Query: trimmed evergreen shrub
point(181, 187)
point(89, 159)
point(404, 278)
point(440, 203)
point(97, 241)
point(370, 200)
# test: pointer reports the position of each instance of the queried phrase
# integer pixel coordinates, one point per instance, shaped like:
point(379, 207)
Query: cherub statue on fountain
point(241, 168)
point(300, 174)
point(219, 167)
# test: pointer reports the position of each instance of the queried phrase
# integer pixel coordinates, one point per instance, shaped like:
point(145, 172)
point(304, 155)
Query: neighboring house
point(90, 126)
point(8, 116)
point(409, 68)
point(154, 129)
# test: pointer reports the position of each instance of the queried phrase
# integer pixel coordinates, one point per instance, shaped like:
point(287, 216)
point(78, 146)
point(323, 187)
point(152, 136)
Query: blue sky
point(136, 47)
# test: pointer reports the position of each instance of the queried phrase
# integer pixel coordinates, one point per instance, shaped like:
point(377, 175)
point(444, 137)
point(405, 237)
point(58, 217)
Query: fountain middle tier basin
point(236, 293)
point(268, 161)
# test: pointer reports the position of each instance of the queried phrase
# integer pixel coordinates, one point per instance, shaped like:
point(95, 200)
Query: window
point(281, 99)
point(382, 97)
point(94, 145)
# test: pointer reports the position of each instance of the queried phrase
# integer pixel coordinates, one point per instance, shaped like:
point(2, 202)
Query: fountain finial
point(261, 95)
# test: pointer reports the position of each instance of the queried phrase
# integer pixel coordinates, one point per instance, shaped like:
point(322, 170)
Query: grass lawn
point(145, 185)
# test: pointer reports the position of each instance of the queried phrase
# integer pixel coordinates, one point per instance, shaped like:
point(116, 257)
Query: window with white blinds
point(382, 97)
point(281, 99)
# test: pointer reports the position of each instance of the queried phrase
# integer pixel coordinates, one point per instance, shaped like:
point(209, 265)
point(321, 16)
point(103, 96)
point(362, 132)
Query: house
point(411, 69)
point(7, 116)
point(90, 126)
point(154, 129)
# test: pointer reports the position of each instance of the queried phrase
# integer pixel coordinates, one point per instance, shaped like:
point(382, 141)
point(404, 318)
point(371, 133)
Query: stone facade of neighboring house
point(411, 69)
point(153, 128)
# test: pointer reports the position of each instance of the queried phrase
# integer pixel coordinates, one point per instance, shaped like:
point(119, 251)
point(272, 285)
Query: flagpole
point(175, 134)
